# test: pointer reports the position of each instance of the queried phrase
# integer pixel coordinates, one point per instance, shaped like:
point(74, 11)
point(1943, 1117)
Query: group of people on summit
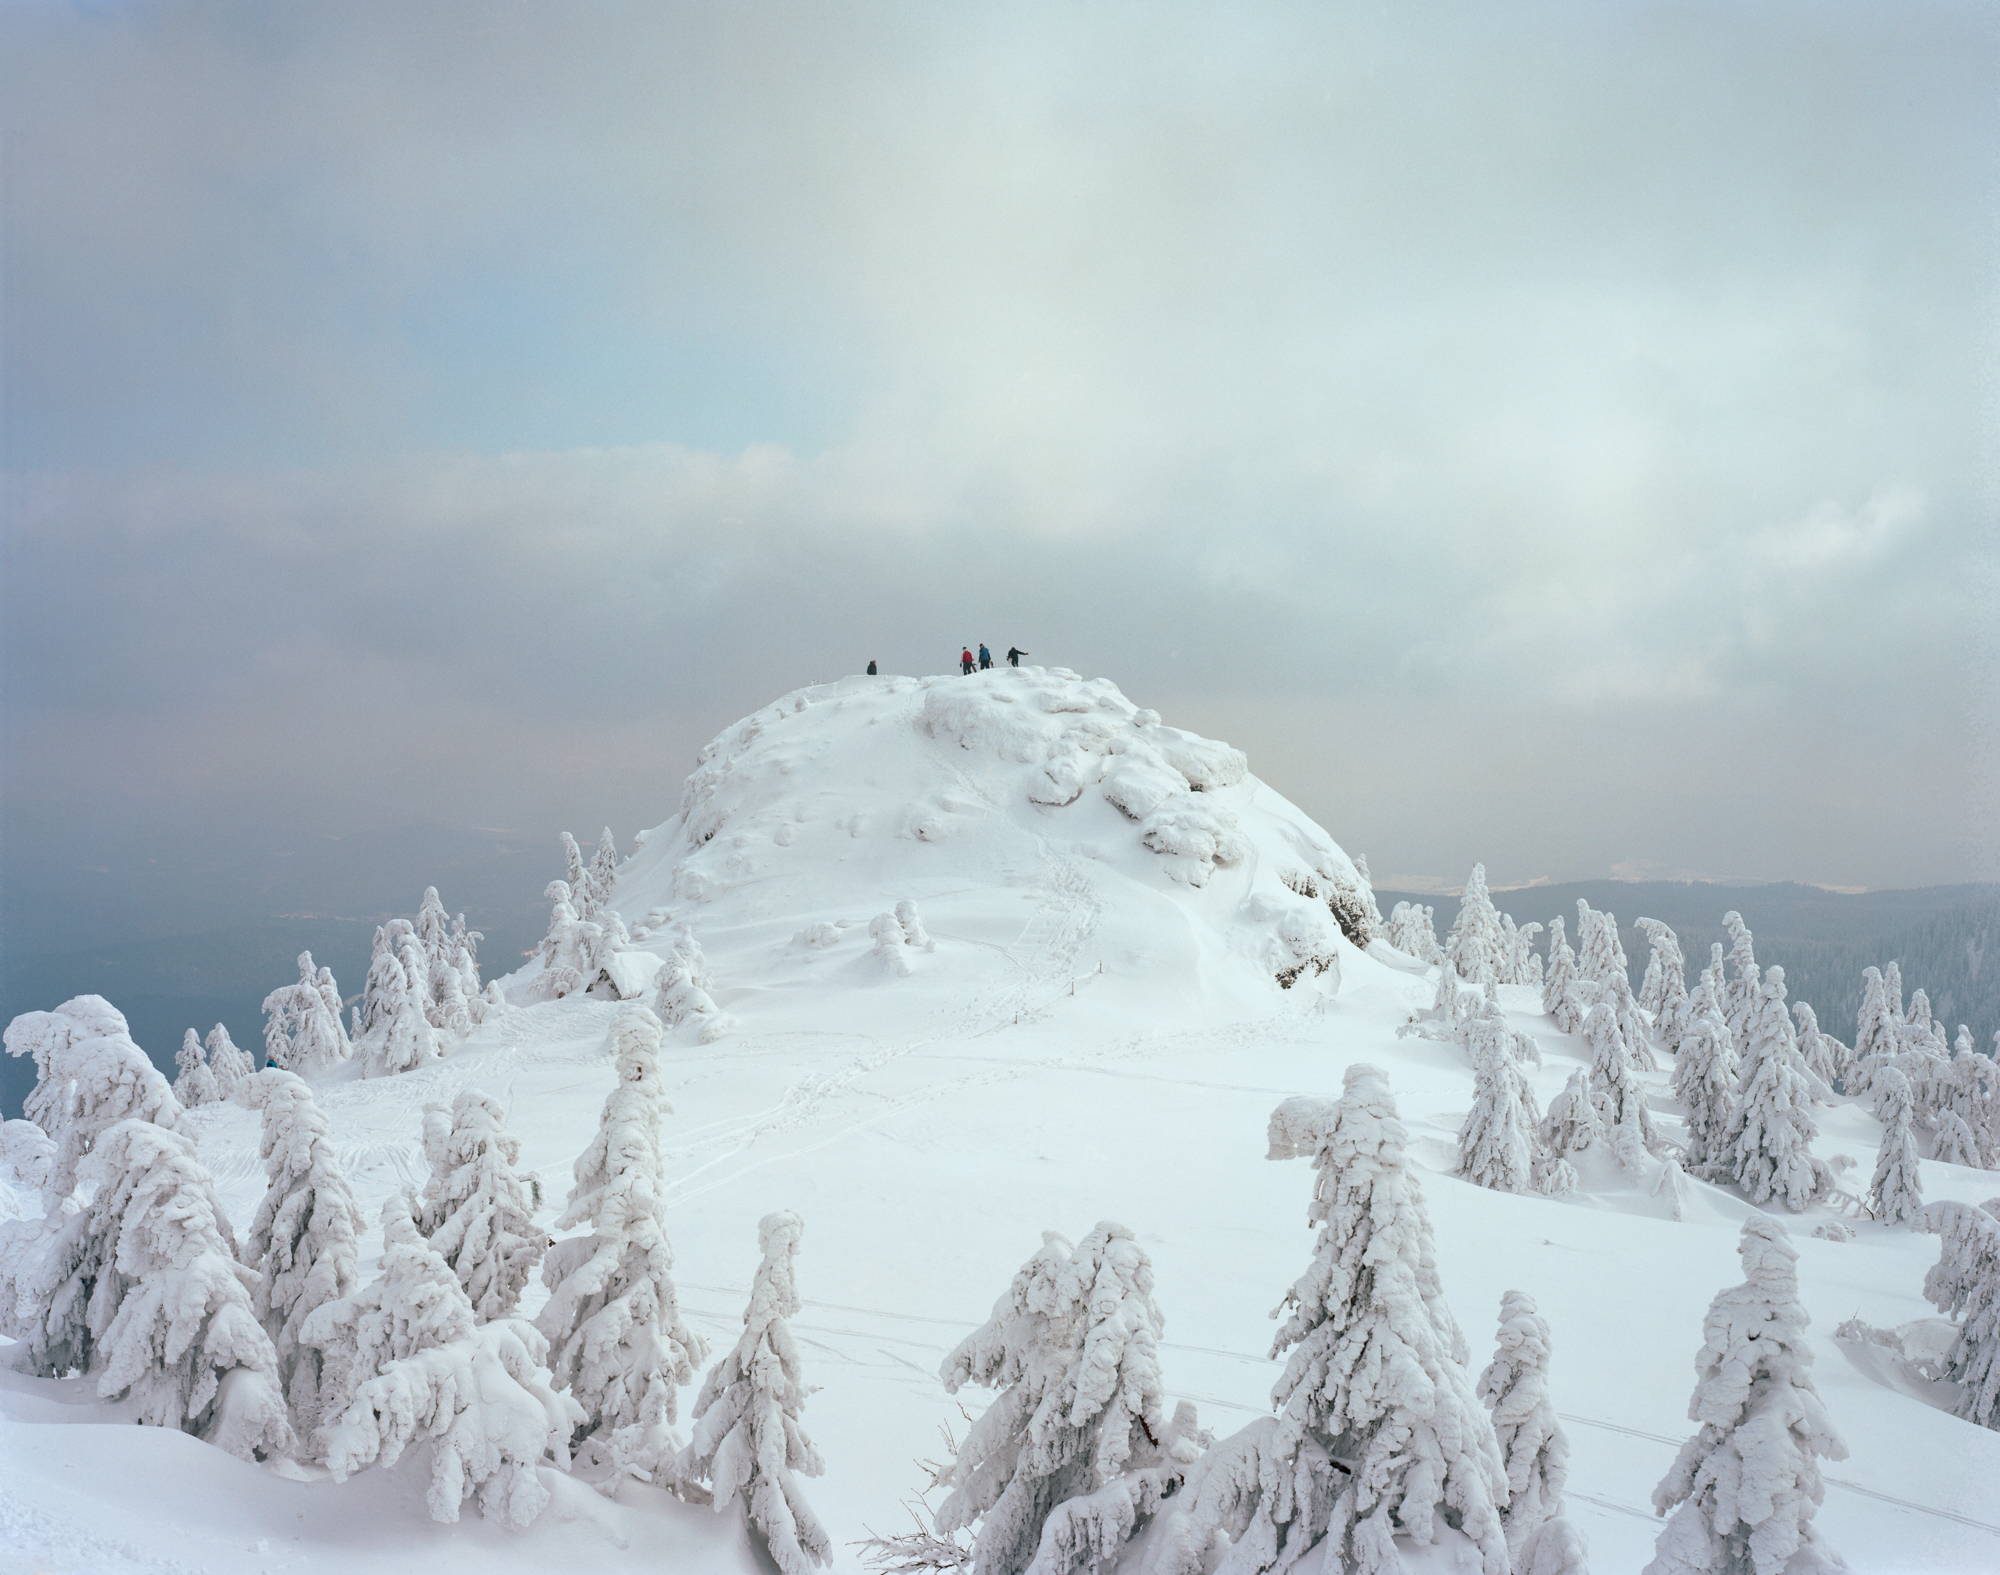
point(967, 662)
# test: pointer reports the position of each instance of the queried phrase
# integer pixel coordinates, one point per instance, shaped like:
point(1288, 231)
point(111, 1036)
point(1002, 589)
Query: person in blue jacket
point(985, 657)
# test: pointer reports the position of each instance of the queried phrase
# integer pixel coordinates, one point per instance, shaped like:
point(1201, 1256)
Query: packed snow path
point(928, 1127)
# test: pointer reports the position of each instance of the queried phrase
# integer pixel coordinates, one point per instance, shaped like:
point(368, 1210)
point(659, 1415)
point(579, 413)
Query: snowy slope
point(1098, 1033)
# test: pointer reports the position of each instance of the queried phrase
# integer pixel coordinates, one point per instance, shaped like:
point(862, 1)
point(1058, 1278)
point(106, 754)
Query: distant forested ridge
point(1946, 939)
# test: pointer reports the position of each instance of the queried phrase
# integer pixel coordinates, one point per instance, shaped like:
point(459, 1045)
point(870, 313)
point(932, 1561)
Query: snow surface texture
point(930, 1128)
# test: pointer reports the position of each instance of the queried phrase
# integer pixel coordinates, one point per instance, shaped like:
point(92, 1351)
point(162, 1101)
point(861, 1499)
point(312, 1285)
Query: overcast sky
point(1557, 435)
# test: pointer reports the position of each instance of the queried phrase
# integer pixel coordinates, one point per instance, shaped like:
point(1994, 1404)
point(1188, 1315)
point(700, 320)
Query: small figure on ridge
point(1014, 655)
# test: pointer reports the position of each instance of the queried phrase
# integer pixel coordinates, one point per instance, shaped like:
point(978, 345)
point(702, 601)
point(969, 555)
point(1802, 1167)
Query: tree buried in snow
point(1965, 1284)
point(196, 1084)
point(747, 1439)
point(1747, 1485)
point(476, 1210)
point(1077, 1440)
point(613, 1320)
point(1533, 1446)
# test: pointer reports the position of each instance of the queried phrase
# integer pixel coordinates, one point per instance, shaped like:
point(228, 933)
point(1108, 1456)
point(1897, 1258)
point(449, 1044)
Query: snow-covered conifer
point(1825, 1056)
point(1666, 992)
point(747, 1439)
point(1534, 1450)
point(1632, 1025)
point(196, 1083)
point(476, 1209)
point(1571, 1125)
point(1474, 945)
point(1557, 980)
point(1954, 1144)
point(1896, 1195)
point(1875, 1026)
point(1772, 1129)
point(914, 933)
point(1444, 1018)
point(890, 946)
point(1376, 1378)
point(231, 1067)
point(563, 948)
point(184, 1341)
point(433, 926)
point(1497, 1144)
point(574, 872)
point(1620, 1101)
point(1527, 966)
point(601, 876)
point(397, 1035)
point(1599, 952)
point(1965, 1285)
point(1671, 1186)
point(1412, 932)
point(1073, 1348)
point(1747, 1485)
point(1739, 999)
point(613, 1321)
point(680, 992)
point(305, 1241)
point(1705, 1082)
point(302, 1029)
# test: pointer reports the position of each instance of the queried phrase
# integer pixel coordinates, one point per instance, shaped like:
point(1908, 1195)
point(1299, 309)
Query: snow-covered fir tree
point(1964, 1285)
point(1896, 1194)
point(890, 948)
point(1825, 1056)
point(1527, 966)
point(396, 1033)
point(1746, 1487)
point(1443, 1018)
point(564, 951)
point(747, 1439)
point(1498, 1143)
point(1073, 1349)
point(231, 1067)
point(617, 1341)
point(1413, 932)
point(302, 1027)
point(1562, 973)
point(1621, 1105)
point(1705, 1082)
point(1378, 1429)
point(1772, 1129)
point(477, 1210)
point(1571, 1125)
point(433, 925)
point(1665, 991)
point(195, 1084)
point(405, 1363)
point(1953, 1143)
point(1739, 998)
point(915, 935)
point(1633, 1028)
point(680, 991)
point(1474, 946)
point(575, 872)
point(1534, 1450)
point(305, 1241)
point(1599, 952)
point(601, 876)
point(1876, 1029)
point(184, 1342)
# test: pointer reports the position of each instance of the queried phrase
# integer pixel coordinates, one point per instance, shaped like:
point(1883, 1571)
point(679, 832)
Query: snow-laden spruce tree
point(406, 1364)
point(397, 1035)
point(1705, 1082)
point(184, 1342)
point(1599, 952)
point(1526, 966)
point(1772, 1129)
point(305, 1241)
point(1747, 1485)
point(575, 873)
point(195, 1084)
point(1534, 1450)
point(617, 1341)
point(1073, 1349)
point(602, 875)
point(1633, 1027)
point(1896, 1194)
point(1444, 1018)
point(1739, 998)
point(1571, 1125)
point(1497, 1145)
point(747, 1439)
point(1825, 1056)
point(1413, 932)
point(1378, 1433)
point(1964, 1284)
point(1619, 1100)
point(1665, 992)
point(1562, 973)
point(302, 1028)
point(231, 1067)
point(564, 951)
point(914, 934)
point(477, 1210)
point(890, 948)
point(433, 925)
point(1474, 945)
point(680, 991)
point(1953, 1143)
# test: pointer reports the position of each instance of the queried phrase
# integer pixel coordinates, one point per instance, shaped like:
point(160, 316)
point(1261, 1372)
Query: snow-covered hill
point(1097, 1030)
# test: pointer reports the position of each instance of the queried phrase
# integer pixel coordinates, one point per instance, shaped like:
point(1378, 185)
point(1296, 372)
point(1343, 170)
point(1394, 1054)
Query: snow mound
point(1049, 828)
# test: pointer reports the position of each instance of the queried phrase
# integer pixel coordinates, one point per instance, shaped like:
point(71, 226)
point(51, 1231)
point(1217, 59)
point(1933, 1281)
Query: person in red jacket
point(965, 663)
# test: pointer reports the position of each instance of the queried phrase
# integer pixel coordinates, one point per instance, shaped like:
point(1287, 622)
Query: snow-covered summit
point(1043, 826)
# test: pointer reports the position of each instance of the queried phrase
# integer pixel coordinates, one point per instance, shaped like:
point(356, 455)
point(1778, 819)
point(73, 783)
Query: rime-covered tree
point(397, 1035)
point(1954, 1143)
point(184, 1342)
point(1556, 982)
point(196, 1083)
point(231, 1067)
point(747, 1438)
point(1412, 932)
point(680, 991)
point(1705, 1082)
point(1474, 945)
point(1376, 1375)
point(915, 935)
point(1772, 1129)
point(1527, 966)
point(1534, 1450)
point(1571, 1125)
point(1619, 1100)
point(1739, 998)
point(564, 951)
point(1073, 1349)
point(1825, 1056)
point(1632, 1025)
point(1599, 952)
point(575, 872)
point(613, 1321)
point(1665, 991)
point(433, 925)
point(477, 1210)
point(1444, 1018)
point(1896, 1194)
point(305, 1241)
point(1746, 1487)
point(1964, 1285)
point(406, 1364)
point(302, 1028)
point(602, 875)
point(1497, 1145)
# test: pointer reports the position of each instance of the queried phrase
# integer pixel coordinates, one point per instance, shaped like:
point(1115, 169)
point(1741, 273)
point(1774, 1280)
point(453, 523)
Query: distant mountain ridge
point(1946, 939)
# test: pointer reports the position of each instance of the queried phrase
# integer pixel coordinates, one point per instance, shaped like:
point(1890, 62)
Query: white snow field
point(1080, 1020)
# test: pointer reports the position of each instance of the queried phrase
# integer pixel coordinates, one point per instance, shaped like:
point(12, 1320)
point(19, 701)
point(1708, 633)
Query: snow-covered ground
point(1097, 1033)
